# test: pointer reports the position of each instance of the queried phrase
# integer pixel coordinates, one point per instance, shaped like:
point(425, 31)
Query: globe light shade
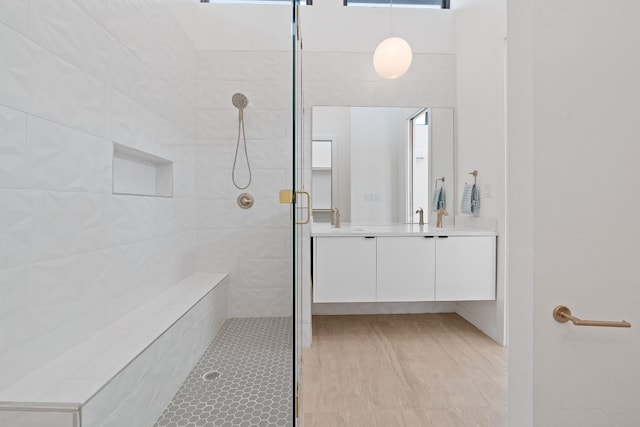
point(392, 58)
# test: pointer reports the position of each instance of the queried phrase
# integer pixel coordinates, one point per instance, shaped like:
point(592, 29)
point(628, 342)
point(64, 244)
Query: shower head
point(239, 100)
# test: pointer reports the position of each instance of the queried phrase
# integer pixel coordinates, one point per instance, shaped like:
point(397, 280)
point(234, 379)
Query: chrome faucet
point(335, 217)
point(421, 212)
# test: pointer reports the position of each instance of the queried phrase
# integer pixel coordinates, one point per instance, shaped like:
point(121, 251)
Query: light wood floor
point(402, 370)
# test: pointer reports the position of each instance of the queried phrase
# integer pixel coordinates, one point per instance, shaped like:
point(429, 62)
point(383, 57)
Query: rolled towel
point(435, 201)
point(465, 203)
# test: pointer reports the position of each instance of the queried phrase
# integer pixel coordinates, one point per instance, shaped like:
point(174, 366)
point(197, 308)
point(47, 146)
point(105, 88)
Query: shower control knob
point(245, 200)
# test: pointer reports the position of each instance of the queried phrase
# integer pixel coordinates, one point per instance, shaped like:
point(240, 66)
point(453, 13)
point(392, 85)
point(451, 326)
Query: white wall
point(480, 117)
point(520, 224)
point(443, 160)
point(379, 150)
point(573, 136)
point(76, 76)
point(336, 123)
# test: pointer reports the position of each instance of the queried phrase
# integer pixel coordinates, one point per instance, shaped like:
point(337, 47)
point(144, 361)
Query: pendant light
point(392, 58)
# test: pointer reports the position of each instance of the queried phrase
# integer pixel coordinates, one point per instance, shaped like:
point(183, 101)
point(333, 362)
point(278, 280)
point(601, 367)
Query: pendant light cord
point(241, 132)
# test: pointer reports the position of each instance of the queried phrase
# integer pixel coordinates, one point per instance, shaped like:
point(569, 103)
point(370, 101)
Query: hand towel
point(442, 201)
point(465, 203)
point(475, 200)
point(435, 201)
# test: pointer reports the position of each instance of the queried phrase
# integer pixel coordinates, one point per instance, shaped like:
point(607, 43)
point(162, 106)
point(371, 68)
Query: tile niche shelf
point(138, 173)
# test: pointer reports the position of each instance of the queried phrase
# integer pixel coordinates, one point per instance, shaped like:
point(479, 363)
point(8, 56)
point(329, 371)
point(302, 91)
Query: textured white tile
point(260, 302)
point(123, 118)
point(96, 8)
point(164, 222)
point(266, 243)
point(316, 92)
point(18, 219)
point(208, 262)
point(126, 270)
point(35, 81)
point(128, 218)
point(268, 182)
point(210, 157)
point(126, 23)
point(264, 273)
point(224, 213)
point(15, 13)
point(267, 124)
point(319, 66)
point(432, 68)
point(352, 93)
point(66, 224)
point(15, 365)
point(13, 308)
point(212, 94)
point(184, 170)
point(214, 162)
point(66, 290)
point(66, 29)
point(219, 243)
point(186, 215)
point(265, 183)
point(217, 182)
point(210, 65)
point(62, 158)
point(256, 65)
point(268, 154)
point(128, 73)
point(12, 148)
point(218, 124)
point(273, 94)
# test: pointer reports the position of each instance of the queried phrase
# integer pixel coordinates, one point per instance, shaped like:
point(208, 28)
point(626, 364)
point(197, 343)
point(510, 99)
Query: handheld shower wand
point(240, 101)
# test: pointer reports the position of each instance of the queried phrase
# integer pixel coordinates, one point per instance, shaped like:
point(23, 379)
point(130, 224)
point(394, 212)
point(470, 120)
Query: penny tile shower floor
point(254, 388)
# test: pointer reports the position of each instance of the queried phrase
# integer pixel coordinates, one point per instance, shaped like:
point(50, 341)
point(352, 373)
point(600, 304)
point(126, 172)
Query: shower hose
point(243, 136)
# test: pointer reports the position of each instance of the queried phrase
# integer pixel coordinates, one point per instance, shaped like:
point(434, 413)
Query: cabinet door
point(406, 268)
point(344, 269)
point(465, 268)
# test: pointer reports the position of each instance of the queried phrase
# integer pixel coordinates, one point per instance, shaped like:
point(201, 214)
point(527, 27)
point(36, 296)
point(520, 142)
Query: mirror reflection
point(379, 165)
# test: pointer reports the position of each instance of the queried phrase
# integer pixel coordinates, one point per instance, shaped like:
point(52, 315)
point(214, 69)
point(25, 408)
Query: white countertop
point(326, 230)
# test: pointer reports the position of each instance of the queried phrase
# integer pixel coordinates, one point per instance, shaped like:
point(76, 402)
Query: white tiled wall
point(253, 245)
point(75, 76)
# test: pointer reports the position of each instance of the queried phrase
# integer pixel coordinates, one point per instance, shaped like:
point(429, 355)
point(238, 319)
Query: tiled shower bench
point(126, 373)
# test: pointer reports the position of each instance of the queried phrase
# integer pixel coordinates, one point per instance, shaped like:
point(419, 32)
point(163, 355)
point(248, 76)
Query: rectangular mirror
point(378, 165)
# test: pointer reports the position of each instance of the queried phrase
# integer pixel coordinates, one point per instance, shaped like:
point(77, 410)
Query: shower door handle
point(286, 197)
point(308, 220)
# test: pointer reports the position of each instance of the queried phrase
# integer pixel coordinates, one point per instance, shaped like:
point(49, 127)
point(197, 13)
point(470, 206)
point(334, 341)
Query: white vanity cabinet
point(345, 269)
point(400, 266)
point(405, 268)
point(465, 268)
